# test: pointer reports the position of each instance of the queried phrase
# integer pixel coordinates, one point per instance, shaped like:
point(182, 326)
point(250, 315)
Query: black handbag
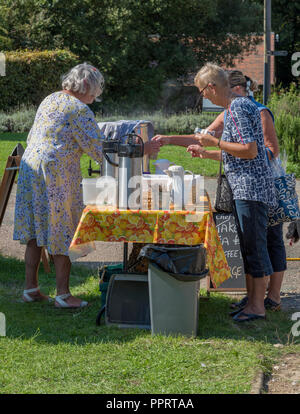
point(224, 199)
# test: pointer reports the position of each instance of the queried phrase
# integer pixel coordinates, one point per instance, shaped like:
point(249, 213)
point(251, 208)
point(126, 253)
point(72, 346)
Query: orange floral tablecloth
point(164, 227)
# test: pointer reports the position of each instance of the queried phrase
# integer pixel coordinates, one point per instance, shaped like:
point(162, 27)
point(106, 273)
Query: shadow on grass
point(10, 136)
point(47, 324)
point(214, 321)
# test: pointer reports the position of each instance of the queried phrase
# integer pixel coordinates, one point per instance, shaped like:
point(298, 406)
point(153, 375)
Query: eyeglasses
point(203, 89)
point(208, 85)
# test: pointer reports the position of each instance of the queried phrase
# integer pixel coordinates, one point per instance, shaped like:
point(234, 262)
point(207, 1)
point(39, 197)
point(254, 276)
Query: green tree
point(285, 21)
point(119, 36)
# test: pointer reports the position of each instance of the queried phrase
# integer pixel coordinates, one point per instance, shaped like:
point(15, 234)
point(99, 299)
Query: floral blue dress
point(49, 195)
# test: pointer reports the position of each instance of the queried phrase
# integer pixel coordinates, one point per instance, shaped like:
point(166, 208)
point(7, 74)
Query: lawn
point(49, 350)
point(178, 155)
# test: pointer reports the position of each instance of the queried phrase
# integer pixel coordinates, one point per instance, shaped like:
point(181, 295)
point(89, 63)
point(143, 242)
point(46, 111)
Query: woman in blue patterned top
point(248, 174)
point(245, 86)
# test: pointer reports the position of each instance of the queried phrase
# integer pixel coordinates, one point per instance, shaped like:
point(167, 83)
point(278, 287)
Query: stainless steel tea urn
point(109, 167)
point(130, 153)
point(108, 182)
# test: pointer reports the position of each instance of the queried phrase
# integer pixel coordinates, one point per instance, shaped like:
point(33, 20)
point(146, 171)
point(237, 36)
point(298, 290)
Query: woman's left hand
point(207, 140)
point(196, 151)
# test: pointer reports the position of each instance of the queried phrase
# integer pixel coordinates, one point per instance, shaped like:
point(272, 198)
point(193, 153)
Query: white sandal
point(61, 301)
point(28, 298)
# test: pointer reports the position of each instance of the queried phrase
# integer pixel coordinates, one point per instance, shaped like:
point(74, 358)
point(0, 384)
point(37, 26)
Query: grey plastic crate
point(173, 304)
point(127, 302)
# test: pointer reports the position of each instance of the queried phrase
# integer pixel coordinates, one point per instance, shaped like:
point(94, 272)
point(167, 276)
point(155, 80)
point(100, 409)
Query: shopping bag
point(287, 209)
point(224, 199)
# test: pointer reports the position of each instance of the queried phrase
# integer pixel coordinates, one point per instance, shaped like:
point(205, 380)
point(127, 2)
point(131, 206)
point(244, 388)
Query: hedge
point(285, 105)
point(288, 132)
point(32, 75)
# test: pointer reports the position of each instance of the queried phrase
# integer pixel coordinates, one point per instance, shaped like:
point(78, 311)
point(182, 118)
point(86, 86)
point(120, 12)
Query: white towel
point(123, 127)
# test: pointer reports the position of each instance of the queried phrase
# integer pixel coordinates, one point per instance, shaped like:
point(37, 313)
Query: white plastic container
point(158, 185)
point(89, 190)
point(193, 190)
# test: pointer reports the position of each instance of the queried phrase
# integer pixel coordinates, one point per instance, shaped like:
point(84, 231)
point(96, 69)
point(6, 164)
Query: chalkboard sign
point(227, 229)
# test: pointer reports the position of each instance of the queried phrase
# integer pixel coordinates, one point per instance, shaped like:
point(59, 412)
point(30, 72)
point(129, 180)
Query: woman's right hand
point(152, 147)
point(162, 139)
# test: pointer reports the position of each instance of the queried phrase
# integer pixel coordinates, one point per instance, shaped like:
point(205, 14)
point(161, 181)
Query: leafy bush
point(17, 121)
point(286, 108)
point(285, 101)
point(21, 120)
point(179, 124)
point(288, 132)
point(32, 75)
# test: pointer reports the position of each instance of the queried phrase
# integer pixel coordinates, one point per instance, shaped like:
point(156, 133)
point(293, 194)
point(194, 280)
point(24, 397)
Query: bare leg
point(249, 285)
point(256, 300)
point(62, 269)
point(32, 263)
point(275, 286)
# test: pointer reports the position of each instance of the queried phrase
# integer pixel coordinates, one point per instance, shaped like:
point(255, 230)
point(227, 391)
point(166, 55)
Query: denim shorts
point(252, 220)
point(276, 248)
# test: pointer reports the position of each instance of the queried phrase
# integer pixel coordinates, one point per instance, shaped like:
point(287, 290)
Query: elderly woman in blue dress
point(246, 168)
point(49, 199)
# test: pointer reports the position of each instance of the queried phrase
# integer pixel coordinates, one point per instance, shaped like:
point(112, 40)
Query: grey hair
point(84, 78)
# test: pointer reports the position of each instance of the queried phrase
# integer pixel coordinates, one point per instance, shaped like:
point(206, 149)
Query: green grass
point(178, 155)
point(8, 142)
point(50, 350)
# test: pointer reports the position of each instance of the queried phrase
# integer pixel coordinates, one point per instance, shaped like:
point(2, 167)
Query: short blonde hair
point(211, 73)
point(84, 78)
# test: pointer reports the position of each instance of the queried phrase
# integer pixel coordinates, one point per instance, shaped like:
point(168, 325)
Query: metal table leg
point(125, 256)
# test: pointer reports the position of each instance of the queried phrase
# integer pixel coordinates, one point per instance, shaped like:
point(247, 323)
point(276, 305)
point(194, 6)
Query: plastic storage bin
point(173, 304)
point(89, 190)
point(155, 192)
point(127, 301)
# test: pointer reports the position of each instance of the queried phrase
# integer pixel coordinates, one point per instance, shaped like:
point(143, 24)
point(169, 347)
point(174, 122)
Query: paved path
point(113, 252)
